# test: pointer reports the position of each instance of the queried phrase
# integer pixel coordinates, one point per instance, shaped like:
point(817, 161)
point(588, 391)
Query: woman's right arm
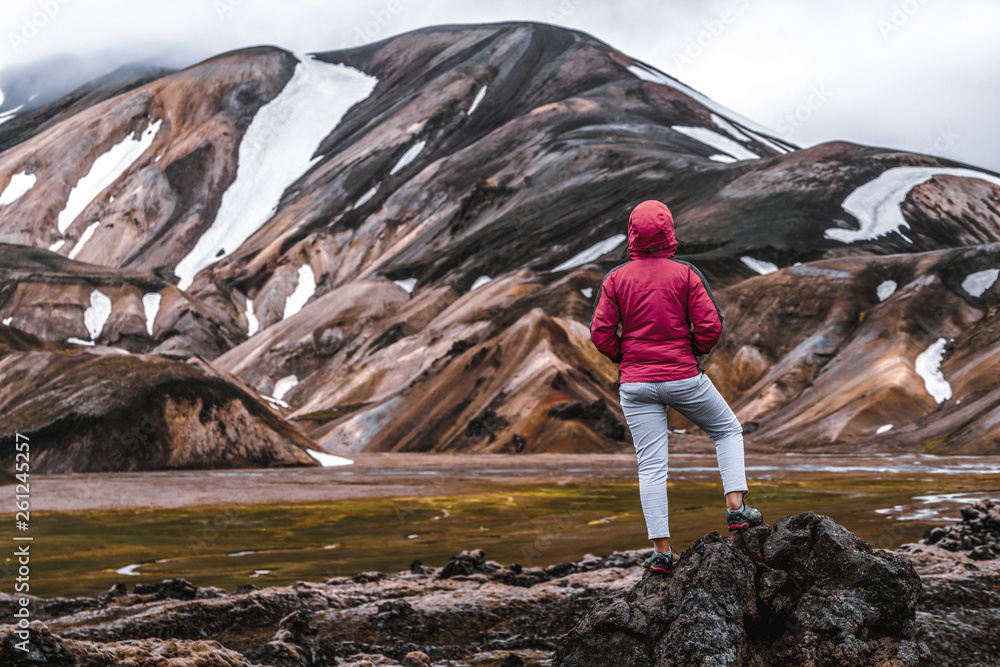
point(604, 325)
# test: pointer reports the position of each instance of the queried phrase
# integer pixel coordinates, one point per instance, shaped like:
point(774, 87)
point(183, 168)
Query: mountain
point(400, 242)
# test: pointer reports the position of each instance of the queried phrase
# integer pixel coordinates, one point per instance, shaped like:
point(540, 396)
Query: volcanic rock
point(808, 592)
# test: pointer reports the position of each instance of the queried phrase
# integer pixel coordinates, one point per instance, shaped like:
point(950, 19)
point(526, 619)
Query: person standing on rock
point(668, 317)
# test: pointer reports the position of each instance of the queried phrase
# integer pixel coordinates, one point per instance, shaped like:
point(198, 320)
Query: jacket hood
point(651, 231)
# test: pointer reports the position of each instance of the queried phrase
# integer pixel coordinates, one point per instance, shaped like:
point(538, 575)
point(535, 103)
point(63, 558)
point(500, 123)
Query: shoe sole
point(660, 569)
point(738, 526)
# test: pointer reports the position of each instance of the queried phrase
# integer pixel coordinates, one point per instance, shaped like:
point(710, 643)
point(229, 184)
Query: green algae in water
point(77, 553)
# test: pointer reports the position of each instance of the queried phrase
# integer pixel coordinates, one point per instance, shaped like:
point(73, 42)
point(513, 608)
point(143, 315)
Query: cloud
point(897, 73)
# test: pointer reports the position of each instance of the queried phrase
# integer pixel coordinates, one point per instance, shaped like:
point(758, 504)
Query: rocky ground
point(805, 592)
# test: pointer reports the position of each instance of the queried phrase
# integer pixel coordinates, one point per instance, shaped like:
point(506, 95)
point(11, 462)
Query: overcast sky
point(921, 75)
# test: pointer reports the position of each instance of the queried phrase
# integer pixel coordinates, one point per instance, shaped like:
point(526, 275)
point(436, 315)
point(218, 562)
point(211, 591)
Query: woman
point(668, 316)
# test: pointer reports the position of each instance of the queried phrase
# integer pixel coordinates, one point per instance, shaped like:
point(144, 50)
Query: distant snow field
point(886, 289)
point(104, 171)
point(277, 149)
point(365, 197)
point(883, 429)
point(409, 156)
point(759, 265)
point(55, 246)
point(303, 291)
point(717, 141)
point(407, 284)
point(252, 324)
point(876, 204)
point(284, 385)
point(928, 367)
point(8, 320)
point(723, 158)
point(329, 460)
point(475, 103)
point(97, 315)
point(18, 186)
point(593, 252)
point(151, 306)
point(977, 283)
point(480, 281)
point(87, 233)
point(587, 292)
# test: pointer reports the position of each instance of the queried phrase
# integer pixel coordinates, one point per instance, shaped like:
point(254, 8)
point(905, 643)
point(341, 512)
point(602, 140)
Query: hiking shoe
point(743, 518)
point(660, 563)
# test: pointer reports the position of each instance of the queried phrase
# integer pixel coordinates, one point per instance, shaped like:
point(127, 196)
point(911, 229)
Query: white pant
point(645, 406)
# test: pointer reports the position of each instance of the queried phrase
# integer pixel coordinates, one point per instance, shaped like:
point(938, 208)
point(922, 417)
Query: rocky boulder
point(978, 532)
point(808, 592)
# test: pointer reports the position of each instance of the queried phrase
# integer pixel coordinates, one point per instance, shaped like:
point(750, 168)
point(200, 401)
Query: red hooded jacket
point(666, 310)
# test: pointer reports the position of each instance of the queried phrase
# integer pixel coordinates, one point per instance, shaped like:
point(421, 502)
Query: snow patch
point(9, 115)
point(303, 291)
point(480, 281)
point(365, 197)
point(329, 461)
point(883, 429)
point(587, 292)
point(593, 252)
point(722, 158)
point(876, 204)
point(97, 315)
point(79, 341)
point(55, 246)
point(928, 366)
point(278, 147)
point(87, 233)
point(717, 141)
point(252, 324)
point(8, 320)
point(151, 305)
point(977, 283)
point(408, 157)
point(130, 570)
point(729, 128)
point(647, 73)
point(475, 103)
point(759, 265)
point(283, 386)
point(104, 171)
point(886, 289)
point(407, 284)
point(275, 401)
point(19, 184)
point(257, 573)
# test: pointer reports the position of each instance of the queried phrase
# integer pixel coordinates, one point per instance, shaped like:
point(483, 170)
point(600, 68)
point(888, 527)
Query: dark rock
point(807, 593)
point(985, 552)
point(934, 535)
point(295, 644)
point(244, 588)
point(464, 563)
point(416, 567)
point(178, 589)
point(511, 660)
